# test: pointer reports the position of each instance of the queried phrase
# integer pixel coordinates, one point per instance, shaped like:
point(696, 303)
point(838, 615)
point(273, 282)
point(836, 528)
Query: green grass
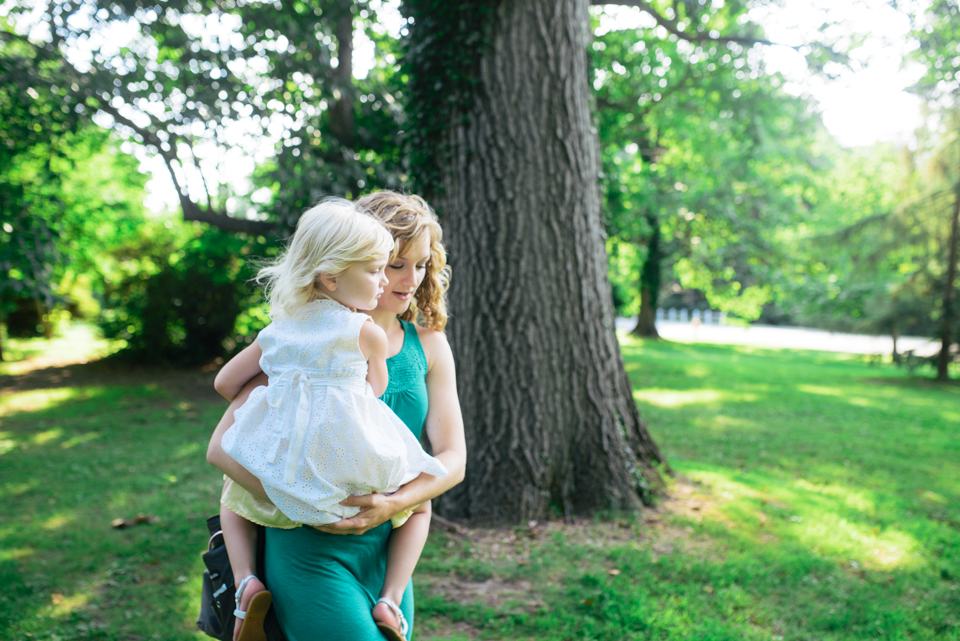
point(817, 498)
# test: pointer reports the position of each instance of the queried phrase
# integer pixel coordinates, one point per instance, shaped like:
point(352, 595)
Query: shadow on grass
point(74, 458)
point(191, 383)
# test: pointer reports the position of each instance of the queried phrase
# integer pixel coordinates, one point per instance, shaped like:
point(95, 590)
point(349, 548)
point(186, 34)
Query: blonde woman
point(324, 585)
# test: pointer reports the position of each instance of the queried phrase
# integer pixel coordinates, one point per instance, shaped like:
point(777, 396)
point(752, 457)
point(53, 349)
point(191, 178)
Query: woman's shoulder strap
point(411, 342)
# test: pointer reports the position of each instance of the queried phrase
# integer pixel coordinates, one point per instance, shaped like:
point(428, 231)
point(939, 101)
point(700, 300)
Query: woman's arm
point(444, 426)
point(215, 454)
point(238, 370)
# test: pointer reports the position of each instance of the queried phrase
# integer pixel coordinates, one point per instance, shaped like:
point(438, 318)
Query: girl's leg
point(240, 537)
point(403, 552)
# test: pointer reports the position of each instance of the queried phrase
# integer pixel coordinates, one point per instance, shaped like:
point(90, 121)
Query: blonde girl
point(317, 433)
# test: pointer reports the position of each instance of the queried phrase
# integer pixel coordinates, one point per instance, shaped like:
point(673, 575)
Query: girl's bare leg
point(239, 534)
point(403, 552)
point(240, 537)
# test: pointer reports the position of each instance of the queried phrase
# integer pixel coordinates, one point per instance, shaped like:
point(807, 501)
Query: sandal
point(388, 630)
point(256, 612)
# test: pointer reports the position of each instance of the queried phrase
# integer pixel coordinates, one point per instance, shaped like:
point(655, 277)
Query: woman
point(325, 584)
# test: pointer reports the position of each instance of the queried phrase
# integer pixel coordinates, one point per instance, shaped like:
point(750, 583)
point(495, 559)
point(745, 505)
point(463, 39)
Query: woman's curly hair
point(408, 218)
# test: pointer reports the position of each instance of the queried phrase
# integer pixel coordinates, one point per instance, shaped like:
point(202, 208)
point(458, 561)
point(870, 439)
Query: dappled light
point(59, 521)
point(42, 438)
point(677, 398)
point(816, 516)
point(13, 554)
point(79, 439)
point(757, 202)
point(38, 400)
point(64, 605)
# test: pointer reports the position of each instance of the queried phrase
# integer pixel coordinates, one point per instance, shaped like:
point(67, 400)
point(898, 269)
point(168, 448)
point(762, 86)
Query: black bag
point(217, 594)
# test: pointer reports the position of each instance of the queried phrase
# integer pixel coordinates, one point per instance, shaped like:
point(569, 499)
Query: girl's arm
point(444, 426)
point(238, 370)
point(373, 345)
point(215, 454)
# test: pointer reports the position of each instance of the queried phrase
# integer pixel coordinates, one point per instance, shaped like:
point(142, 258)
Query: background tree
point(199, 83)
point(869, 257)
point(703, 156)
point(938, 33)
point(66, 194)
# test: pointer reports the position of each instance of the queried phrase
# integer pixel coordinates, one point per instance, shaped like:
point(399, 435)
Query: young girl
point(318, 433)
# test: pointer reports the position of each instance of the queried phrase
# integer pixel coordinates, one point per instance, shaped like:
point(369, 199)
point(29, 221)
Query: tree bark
point(895, 334)
point(551, 423)
point(650, 283)
point(341, 111)
point(44, 319)
point(949, 292)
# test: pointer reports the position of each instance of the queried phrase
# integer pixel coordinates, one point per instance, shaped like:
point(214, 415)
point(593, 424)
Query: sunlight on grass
point(59, 521)
point(16, 489)
point(934, 497)
point(12, 554)
point(826, 533)
point(813, 515)
point(857, 499)
point(722, 422)
point(64, 605)
point(823, 391)
point(79, 439)
point(37, 400)
point(78, 343)
point(677, 398)
point(44, 437)
point(697, 370)
point(190, 449)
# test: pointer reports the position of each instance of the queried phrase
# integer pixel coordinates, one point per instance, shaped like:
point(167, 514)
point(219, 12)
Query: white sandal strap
point(241, 614)
point(396, 611)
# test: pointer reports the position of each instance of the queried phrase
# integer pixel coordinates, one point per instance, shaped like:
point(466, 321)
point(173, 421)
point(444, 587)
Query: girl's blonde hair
point(408, 218)
point(329, 238)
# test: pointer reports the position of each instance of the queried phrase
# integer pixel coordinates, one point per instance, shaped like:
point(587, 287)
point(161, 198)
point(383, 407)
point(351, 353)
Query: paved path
point(786, 337)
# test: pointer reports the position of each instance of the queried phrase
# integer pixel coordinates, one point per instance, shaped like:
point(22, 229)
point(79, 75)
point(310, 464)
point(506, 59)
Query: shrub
point(184, 312)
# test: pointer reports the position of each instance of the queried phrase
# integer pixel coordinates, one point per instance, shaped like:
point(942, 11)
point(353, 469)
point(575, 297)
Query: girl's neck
point(386, 319)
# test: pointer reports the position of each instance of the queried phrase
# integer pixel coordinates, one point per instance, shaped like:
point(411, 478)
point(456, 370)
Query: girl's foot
point(390, 620)
point(253, 602)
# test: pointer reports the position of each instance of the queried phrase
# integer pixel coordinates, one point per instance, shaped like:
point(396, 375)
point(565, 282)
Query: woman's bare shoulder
point(434, 343)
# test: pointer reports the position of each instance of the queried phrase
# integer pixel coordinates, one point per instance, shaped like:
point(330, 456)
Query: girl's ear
point(328, 281)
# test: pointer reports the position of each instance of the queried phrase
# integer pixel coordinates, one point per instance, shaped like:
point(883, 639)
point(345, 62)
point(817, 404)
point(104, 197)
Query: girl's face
point(360, 285)
point(404, 275)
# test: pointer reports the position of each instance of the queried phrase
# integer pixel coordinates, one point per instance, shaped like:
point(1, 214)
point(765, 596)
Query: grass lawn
point(816, 498)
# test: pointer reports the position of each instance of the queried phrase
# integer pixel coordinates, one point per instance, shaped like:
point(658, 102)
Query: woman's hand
point(444, 426)
point(375, 509)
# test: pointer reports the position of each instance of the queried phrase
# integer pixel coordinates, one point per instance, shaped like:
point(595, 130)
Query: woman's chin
point(394, 304)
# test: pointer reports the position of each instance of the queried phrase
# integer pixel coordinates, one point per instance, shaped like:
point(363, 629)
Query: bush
point(185, 312)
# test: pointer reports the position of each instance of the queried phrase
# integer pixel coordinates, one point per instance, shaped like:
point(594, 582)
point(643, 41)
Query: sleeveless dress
point(325, 585)
point(317, 434)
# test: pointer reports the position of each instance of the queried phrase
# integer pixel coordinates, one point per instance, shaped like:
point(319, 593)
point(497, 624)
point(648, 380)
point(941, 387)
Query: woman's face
point(404, 275)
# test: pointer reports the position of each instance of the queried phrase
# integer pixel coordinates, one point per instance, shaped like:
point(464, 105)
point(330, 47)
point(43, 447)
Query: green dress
point(325, 585)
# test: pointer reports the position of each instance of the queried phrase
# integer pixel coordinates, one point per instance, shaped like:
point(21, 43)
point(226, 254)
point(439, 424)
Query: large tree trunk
point(650, 283)
point(550, 418)
point(949, 291)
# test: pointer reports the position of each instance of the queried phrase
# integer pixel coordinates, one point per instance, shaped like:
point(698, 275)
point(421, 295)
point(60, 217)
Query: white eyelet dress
point(317, 434)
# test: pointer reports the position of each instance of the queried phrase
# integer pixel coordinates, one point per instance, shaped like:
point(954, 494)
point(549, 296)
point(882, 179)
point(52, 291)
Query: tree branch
point(191, 210)
point(673, 27)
